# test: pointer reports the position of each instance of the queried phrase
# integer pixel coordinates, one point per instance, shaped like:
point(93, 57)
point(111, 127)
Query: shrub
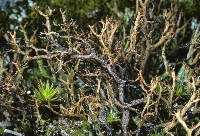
point(119, 66)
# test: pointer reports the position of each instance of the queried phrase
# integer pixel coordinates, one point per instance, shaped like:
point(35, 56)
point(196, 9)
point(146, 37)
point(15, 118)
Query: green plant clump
point(113, 117)
point(46, 93)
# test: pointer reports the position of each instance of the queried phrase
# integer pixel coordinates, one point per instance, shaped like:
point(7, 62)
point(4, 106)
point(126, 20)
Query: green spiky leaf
point(46, 92)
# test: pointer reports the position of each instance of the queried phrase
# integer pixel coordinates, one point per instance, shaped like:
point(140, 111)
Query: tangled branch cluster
point(102, 72)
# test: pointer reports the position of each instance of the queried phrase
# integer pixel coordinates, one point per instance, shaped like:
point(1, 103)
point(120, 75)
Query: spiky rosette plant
point(46, 93)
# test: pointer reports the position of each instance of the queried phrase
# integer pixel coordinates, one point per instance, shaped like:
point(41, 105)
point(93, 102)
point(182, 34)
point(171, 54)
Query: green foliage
point(26, 129)
point(43, 73)
point(2, 130)
point(158, 134)
point(191, 7)
point(128, 15)
point(2, 68)
point(40, 72)
point(181, 89)
point(46, 93)
point(113, 117)
point(84, 12)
